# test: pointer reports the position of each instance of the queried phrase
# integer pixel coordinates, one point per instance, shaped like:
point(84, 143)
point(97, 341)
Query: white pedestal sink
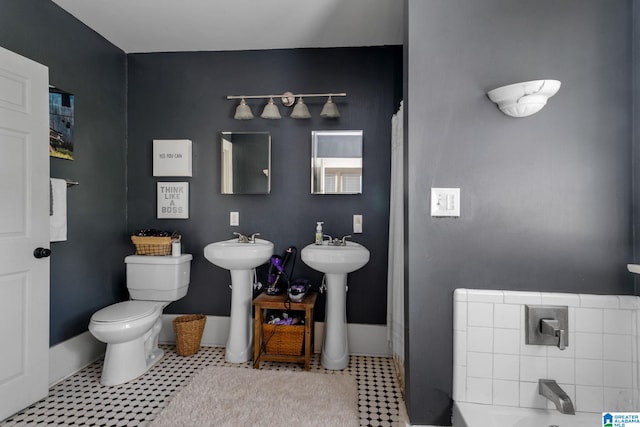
point(335, 262)
point(240, 259)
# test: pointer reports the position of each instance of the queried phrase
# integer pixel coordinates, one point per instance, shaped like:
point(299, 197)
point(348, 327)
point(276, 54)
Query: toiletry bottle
point(175, 247)
point(319, 233)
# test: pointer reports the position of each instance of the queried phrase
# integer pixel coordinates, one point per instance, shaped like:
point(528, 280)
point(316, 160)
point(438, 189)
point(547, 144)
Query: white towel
point(58, 217)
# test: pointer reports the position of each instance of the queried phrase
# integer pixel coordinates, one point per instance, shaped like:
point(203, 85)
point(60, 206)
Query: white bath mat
point(222, 396)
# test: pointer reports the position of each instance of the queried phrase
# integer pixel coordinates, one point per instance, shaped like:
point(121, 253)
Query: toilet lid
point(126, 311)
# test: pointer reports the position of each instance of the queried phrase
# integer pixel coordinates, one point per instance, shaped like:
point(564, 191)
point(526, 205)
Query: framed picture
point(172, 157)
point(61, 106)
point(173, 200)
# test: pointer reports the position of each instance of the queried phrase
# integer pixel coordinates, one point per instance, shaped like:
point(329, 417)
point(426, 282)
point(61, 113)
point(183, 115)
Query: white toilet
point(131, 328)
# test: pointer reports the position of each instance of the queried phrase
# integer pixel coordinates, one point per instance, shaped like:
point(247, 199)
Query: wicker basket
point(188, 330)
point(149, 245)
point(284, 339)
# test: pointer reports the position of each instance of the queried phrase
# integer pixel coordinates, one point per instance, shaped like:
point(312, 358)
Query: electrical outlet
point(234, 219)
point(357, 224)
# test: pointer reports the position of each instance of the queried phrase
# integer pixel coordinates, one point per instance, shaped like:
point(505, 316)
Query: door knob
point(41, 252)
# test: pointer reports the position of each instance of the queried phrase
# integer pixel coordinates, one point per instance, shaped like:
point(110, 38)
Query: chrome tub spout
point(552, 391)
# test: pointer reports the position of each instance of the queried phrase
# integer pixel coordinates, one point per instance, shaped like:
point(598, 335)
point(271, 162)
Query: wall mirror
point(336, 162)
point(246, 163)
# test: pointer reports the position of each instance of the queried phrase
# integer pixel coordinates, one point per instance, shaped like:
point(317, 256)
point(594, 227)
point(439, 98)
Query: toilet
point(130, 328)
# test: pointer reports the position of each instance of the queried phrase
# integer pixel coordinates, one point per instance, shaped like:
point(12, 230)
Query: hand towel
point(58, 217)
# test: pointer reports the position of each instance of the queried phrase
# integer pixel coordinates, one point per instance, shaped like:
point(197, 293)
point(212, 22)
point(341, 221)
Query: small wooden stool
point(281, 302)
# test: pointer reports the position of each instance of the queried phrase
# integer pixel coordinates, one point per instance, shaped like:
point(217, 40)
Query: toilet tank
point(158, 278)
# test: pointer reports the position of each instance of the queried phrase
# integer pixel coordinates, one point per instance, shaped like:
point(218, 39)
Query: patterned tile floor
point(80, 400)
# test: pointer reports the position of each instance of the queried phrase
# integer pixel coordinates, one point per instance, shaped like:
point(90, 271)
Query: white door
point(24, 226)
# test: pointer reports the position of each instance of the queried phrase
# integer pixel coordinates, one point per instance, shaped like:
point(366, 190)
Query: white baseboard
point(370, 340)
point(216, 330)
point(70, 356)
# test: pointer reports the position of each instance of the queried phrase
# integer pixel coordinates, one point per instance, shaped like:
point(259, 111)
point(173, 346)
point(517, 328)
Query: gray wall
point(635, 90)
point(87, 271)
point(183, 95)
point(546, 200)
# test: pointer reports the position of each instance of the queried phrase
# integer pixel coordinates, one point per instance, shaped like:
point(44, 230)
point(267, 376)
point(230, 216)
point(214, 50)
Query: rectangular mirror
point(245, 163)
point(336, 162)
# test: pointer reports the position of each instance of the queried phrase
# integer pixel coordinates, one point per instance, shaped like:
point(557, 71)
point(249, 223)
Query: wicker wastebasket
point(189, 330)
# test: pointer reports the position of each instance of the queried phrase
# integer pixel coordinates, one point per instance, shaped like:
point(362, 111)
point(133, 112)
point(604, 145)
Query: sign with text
point(173, 200)
point(172, 157)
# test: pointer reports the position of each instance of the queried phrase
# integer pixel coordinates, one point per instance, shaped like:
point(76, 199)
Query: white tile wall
point(493, 365)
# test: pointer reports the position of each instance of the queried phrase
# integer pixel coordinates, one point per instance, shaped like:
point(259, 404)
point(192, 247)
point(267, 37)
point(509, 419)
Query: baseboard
point(70, 356)
point(216, 330)
point(369, 340)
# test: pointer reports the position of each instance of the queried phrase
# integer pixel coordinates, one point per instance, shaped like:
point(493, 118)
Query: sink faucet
point(244, 239)
point(552, 391)
point(334, 241)
point(241, 238)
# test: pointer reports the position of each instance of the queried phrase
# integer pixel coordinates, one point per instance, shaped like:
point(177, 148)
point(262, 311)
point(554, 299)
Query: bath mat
point(225, 396)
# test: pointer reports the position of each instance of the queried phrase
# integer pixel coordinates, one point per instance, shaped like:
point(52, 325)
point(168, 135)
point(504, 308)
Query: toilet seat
point(126, 311)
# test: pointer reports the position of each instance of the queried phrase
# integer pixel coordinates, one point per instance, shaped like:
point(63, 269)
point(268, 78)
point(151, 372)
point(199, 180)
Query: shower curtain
point(395, 278)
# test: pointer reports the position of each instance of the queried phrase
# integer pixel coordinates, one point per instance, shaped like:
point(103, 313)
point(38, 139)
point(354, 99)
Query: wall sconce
point(300, 110)
point(524, 99)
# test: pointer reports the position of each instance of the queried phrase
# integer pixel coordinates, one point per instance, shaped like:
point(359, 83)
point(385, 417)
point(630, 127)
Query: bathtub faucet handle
point(552, 327)
point(561, 334)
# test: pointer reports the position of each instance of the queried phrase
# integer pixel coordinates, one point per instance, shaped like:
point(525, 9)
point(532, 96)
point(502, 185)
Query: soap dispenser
point(319, 233)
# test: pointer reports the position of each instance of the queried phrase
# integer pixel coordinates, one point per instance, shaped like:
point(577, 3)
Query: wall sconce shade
point(243, 111)
point(271, 111)
point(524, 99)
point(300, 110)
point(330, 110)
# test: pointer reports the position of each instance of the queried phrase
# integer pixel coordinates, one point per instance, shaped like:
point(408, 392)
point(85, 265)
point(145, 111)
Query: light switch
point(234, 219)
point(357, 224)
point(445, 202)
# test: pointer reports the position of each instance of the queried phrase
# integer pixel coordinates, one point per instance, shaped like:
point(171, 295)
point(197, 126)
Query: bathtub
point(477, 415)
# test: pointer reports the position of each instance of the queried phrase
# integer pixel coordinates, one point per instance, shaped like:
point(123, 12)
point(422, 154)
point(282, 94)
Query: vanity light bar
point(286, 95)
point(300, 111)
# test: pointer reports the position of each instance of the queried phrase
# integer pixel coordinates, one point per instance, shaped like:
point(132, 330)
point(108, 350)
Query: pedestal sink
point(335, 262)
point(240, 259)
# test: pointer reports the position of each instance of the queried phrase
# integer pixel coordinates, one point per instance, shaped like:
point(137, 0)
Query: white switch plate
point(357, 224)
point(234, 219)
point(445, 202)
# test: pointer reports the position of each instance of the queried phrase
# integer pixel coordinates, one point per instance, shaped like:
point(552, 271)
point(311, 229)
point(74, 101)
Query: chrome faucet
point(343, 241)
point(334, 241)
point(244, 239)
point(552, 391)
point(241, 238)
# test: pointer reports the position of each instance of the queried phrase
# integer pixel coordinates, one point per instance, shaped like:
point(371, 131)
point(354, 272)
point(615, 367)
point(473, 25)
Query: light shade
point(271, 111)
point(524, 99)
point(243, 111)
point(330, 110)
point(300, 111)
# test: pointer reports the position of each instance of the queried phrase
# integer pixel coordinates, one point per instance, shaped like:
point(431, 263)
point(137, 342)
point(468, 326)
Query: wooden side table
point(281, 302)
